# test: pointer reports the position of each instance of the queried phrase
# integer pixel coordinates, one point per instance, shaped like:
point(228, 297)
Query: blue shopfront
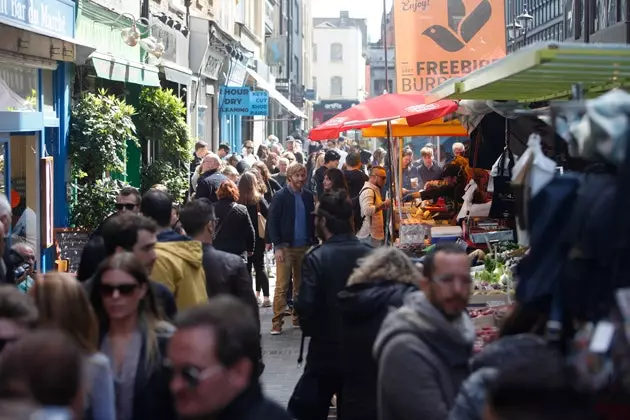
point(37, 49)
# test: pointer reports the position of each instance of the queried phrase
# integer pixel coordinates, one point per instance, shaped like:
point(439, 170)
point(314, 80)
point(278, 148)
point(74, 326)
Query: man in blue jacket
point(291, 232)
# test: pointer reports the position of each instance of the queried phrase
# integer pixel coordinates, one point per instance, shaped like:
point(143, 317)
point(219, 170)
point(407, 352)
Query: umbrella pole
point(389, 163)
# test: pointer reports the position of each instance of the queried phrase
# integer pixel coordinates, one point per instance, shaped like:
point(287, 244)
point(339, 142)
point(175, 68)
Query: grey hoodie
point(422, 361)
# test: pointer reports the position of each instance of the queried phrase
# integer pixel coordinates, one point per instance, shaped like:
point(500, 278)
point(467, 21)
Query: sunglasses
point(123, 289)
point(192, 375)
point(128, 206)
point(6, 341)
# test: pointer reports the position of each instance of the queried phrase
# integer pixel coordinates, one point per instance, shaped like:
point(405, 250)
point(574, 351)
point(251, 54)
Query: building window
point(336, 52)
point(314, 53)
point(315, 85)
point(336, 86)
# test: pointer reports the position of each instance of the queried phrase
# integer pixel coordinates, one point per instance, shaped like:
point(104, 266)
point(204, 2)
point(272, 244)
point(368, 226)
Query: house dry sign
point(259, 103)
point(440, 39)
point(234, 100)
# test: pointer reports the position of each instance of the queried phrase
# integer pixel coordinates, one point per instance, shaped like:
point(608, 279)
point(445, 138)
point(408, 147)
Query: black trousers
point(313, 393)
point(257, 261)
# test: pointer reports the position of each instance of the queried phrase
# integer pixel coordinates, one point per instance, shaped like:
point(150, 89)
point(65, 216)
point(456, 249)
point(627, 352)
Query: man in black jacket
point(210, 179)
point(325, 272)
point(225, 273)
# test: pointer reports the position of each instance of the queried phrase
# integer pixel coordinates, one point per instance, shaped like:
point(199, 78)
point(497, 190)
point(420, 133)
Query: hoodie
point(422, 361)
point(179, 267)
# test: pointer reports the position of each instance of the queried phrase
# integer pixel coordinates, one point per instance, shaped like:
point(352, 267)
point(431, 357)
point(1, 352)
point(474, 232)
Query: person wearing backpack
point(371, 226)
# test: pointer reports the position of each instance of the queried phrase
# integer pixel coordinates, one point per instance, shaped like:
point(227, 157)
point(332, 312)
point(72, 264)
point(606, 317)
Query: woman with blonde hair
point(134, 337)
point(64, 305)
point(271, 185)
point(381, 281)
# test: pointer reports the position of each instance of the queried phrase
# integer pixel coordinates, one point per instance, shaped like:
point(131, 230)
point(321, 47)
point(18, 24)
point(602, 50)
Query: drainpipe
point(587, 21)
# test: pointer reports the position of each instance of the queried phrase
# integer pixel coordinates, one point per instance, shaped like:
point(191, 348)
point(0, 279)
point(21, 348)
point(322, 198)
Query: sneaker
point(276, 330)
point(288, 312)
point(266, 303)
point(258, 299)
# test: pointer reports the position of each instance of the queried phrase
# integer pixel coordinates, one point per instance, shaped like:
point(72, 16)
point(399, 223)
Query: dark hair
point(158, 206)
point(263, 170)
point(17, 307)
point(331, 156)
point(122, 231)
point(200, 145)
point(128, 190)
point(337, 178)
point(225, 147)
point(336, 208)
point(260, 150)
point(353, 159)
point(45, 366)
point(248, 189)
point(428, 265)
point(196, 215)
point(234, 326)
point(93, 254)
point(228, 189)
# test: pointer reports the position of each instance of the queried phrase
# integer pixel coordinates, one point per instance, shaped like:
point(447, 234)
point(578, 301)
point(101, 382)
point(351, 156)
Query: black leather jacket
point(325, 272)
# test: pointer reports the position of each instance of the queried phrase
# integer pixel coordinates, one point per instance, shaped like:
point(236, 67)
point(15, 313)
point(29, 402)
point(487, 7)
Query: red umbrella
point(387, 107)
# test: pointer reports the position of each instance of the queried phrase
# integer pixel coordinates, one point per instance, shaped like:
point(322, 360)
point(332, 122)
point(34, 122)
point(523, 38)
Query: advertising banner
point(440, 39)
point(259, 103)
point(234, 100)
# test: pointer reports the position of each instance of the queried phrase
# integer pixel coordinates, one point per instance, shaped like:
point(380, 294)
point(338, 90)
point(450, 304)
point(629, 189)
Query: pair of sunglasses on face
point(192, 375)
point(126, 206)
point(122, 289)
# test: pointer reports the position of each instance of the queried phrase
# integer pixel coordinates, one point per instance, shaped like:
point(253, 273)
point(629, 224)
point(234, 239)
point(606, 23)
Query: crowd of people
point(162, 319)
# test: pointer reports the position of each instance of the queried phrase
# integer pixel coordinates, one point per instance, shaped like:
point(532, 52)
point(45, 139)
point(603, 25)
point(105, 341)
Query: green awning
point(121, 70)
point(544, 71)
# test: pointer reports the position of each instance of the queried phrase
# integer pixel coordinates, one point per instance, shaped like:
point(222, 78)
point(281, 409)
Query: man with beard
point(427, 341)
point(290, 226)
point(325, 271)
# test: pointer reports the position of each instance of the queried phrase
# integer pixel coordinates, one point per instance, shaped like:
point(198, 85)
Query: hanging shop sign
point(259, 103)
point(437, 40)
point(234, 100)
point(54, 18)
point(214, 64)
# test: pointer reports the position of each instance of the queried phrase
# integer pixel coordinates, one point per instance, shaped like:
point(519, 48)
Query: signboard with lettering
point(234, 100)
point(259, 103)
point(47, 17)
point(214, 64)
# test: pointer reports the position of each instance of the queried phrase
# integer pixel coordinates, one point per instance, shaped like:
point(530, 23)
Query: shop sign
point(214, 64)
point(167, 36)
point(334, 106)
point(237, 75)
point(234, 100)
point(47, 17)
point(259, 103)
point(121, 6)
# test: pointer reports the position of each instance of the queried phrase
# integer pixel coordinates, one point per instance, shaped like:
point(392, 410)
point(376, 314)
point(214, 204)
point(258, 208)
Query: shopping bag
point(502, 197)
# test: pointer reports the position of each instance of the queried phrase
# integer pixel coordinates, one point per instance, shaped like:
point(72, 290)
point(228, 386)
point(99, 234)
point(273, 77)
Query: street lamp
point(514, 30)
point(525, 19)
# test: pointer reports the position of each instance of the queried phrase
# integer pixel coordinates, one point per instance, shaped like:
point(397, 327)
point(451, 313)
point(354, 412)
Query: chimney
point(344, 14)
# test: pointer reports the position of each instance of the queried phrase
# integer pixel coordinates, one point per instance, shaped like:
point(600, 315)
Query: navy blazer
point(280, 223)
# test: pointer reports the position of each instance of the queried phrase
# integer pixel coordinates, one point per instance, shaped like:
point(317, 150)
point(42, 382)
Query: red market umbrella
point(387, 107)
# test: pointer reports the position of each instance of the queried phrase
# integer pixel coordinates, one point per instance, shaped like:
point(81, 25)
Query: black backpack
point(356, 210)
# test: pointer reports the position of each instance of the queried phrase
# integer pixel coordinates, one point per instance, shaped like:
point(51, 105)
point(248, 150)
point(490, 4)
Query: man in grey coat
point(423, 348)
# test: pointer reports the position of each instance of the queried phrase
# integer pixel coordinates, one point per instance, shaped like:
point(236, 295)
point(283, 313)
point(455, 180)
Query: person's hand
point(279, 256)
point(386, 203)
point(268, 247)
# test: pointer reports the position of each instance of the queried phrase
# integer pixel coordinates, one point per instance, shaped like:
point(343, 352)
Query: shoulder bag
point(262, 222)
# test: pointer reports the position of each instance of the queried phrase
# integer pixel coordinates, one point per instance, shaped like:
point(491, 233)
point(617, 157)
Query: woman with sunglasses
point(134, 337)
point(63, 304)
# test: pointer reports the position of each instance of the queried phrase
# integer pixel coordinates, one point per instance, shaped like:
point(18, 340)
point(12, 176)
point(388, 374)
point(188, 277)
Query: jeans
point(257, 261)
point(292, 265)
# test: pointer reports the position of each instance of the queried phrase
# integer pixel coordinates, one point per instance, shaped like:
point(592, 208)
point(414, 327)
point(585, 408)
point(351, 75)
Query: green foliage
point(161, 119)
point(101, 126)
point(94, 202)
point(174, 179)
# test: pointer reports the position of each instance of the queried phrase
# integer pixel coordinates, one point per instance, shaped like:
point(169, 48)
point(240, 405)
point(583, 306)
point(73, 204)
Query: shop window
point(18, 88)
point(24, 189)
point(49, 99)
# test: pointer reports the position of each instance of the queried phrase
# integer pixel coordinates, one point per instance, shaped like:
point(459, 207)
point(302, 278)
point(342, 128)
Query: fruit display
point(484, 336)
point(496, 275)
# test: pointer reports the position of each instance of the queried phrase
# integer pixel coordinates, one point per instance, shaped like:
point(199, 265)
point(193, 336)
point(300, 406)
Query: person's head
point(452, 173)
point(210, 162)
point(44, 366)
point(5, 213)
point(158, 206)
point(289, 156)
point(385, 264)
point(283, 164)
point(447, 282)
point(331, 144)
point(223, 150)
point(159, 187)
point(231, 173)
point(128, 199)
point(276, 148)
point(427, 156)
point(233, 160)
point(261, 184)
point(18, 314)
point(458, 149)
point(63, 304)
point(228, 191)
point(407, 157)
point(248, 148)
point(379, 156)
point(290, 143)
point(92, 255)
point(333, 215)
point(334, 180)
point(198, 219)
point(353, 160)
point(331, 159)
point(272, 161)
point(248, 190)
point(296, 176)
point(378, 176)
point(132, 233)
point(213, 356)
point(262, 152)
point(201, 149)
point(27, 253)
point(261, 167)
point(122, 292)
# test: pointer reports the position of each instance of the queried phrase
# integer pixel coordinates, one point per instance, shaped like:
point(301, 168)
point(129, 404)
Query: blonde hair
point(426, 152)
point(385, 264)
point(63, 304)
point(295, 168)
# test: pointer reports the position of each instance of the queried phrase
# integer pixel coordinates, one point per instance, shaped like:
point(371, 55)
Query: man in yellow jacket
point(179, 259)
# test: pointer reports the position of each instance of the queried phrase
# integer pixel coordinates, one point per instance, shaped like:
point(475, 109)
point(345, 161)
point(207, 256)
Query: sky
point(372, 10)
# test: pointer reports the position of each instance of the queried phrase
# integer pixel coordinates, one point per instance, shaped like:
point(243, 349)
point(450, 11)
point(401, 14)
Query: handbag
point(262, 223)
point(220, 225)
point(503, 199)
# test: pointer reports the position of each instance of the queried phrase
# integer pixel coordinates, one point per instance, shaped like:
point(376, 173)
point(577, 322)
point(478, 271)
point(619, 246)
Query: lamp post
point(525, 19)
point(384, 38)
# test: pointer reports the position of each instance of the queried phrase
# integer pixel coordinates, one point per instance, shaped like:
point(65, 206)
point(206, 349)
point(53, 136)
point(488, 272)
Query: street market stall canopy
point(544, 71)
point(400, 128)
